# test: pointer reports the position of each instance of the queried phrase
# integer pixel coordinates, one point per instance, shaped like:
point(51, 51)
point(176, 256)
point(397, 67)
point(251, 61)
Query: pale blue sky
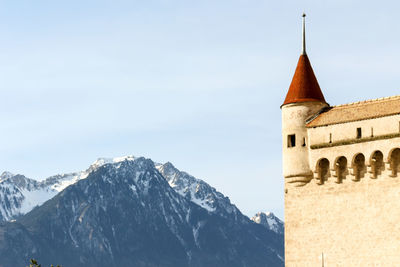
point(197, 83)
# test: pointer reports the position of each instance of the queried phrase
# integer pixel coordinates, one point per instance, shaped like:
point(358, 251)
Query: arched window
point(394, 160)
point(322, 170)
point(358, 167)
point(341, 169)
point(377, 164)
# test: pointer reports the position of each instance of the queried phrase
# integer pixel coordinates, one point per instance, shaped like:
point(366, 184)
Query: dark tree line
point(34, 263)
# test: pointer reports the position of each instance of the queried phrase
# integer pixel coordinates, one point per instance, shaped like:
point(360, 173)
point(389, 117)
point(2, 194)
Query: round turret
point(295, 145)
point(303, 100)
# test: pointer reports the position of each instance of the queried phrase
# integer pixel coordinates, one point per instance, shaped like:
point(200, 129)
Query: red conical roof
point(304, 86)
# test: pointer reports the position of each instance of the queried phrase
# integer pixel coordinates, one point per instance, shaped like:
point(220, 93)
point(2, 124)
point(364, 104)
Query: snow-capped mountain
point(132, 212)
point(270, 221)
point(19, 194)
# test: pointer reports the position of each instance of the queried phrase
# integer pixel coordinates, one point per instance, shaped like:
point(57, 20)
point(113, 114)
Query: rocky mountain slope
point(129, 212)
point(270, 221)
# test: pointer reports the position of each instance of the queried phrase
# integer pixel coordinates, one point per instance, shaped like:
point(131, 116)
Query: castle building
point(342, 177)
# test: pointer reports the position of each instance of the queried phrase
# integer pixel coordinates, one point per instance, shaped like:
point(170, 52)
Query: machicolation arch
point(322, 170)
point(377, 164)
point(394, 161)
point(359, 166)
point(341, 169)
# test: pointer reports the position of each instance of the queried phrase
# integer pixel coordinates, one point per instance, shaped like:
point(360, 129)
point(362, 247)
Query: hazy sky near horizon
point(196, 83)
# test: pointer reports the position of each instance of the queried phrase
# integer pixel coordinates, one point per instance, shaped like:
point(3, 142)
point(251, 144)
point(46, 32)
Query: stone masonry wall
point(352, 223)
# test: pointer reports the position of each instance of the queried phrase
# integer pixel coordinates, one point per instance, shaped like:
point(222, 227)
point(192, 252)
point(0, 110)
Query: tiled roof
point(304, 86)
point(357, 111)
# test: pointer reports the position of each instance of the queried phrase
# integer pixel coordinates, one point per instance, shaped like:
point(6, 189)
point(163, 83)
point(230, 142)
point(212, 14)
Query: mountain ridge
point(28, 193)
point(126, 212)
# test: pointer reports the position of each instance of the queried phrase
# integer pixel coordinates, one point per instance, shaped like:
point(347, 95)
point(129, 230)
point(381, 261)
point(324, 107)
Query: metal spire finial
point(303, 52)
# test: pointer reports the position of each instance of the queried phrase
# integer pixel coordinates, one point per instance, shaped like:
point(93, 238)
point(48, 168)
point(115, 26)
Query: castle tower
point(342, 177)
point(303, 100)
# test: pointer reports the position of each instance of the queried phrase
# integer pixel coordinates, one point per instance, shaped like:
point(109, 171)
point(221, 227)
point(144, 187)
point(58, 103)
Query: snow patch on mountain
point(36, 197)
point(10, 197)
point(102, 161)
point(269, 220)
point(6, 175)
point(196, 190)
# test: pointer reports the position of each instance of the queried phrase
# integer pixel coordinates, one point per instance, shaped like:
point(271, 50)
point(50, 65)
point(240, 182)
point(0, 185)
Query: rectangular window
point(358, 132)
point(372, 132)
point(291, 140)
point(330, 138)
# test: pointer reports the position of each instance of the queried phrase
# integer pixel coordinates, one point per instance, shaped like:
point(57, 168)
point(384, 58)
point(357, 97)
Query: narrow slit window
point(304, 141)
point(359, 133)
point(291, 140)
point(372, 132)
point(330, 138)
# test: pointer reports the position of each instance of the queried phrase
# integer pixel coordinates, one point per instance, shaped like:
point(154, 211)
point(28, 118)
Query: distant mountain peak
point(169, 165)
point(6, 175)
point(102, 161)
point(269, 220)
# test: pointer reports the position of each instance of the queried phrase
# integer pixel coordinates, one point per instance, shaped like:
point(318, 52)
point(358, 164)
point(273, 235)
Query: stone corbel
point(369, 168)
point(334, 171)
point(387, 166)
